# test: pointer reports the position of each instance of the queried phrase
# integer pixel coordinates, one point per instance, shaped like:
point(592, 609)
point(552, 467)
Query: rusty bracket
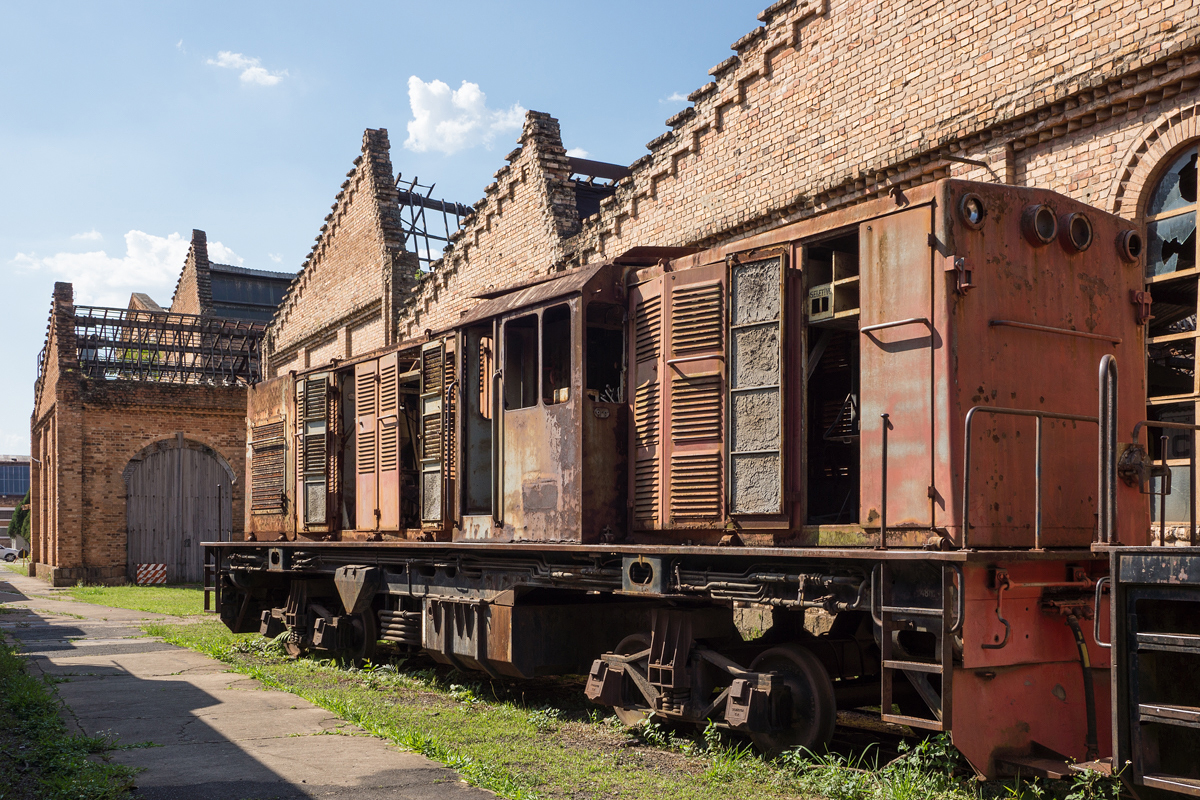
point(1002, 584)
point(963, 275)
point(1142, 302)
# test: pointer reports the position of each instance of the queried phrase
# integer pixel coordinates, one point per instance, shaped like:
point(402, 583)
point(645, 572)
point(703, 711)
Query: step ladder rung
point(1173, 783)
point(1170, 642)
point(1188, 716)
point(913, 722)
point(914, 666)
point(913, 611)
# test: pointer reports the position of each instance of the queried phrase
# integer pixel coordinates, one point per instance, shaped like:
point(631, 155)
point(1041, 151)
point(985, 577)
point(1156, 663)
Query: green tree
point(19, 525)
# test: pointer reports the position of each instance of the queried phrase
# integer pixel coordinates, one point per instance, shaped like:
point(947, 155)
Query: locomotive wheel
point(366, 638)
point(813, 707)
point(637, 710)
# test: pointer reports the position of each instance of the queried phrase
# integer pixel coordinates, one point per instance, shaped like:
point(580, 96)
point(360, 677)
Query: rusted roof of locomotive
point(567, 283)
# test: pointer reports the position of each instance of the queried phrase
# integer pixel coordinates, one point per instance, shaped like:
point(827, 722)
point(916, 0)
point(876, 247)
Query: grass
point(42, 759)
point(178, 601)
point(540, 739)
point(16, 567)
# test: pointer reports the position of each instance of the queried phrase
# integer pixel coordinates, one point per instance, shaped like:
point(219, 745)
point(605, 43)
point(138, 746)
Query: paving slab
point(205, 732)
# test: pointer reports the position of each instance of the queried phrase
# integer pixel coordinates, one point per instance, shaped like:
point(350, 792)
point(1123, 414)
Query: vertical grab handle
point(1100, 584)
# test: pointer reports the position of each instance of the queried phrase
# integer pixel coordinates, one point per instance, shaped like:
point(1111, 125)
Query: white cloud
point(220, 254)
point(577, 152)
point(676, 97)
point(14, 444)
point(151, 264)
point(278, 259)
point(91, 236)
point(179, 46)
point(451, 120)
point(252, 69)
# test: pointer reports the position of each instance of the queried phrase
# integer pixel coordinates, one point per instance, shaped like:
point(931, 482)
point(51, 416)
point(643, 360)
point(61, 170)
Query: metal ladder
point(951, 616)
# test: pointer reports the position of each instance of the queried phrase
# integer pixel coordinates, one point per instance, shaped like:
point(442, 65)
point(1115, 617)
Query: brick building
point(14, 483)
point(137, 430)
point(823, 105)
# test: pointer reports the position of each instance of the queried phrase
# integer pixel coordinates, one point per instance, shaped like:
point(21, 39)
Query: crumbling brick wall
point(193, 290)
point(346, 300)
point(83, 435)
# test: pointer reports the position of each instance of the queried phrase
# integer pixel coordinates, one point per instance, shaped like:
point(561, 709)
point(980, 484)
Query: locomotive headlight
point(972, 211)
point(1039, 224)
point(1075, 232)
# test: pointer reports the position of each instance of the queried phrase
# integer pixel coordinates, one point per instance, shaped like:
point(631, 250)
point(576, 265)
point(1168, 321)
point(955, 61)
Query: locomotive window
point(605, 353)
point(520, 362)
point(556, 355)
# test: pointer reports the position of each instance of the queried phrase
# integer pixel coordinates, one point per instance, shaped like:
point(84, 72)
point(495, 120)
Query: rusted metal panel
point(270, 510)
point(387, 423)
point(366, 411)
point(646, 441)
point(541, 441)
point(897, 342)
point(569, 283)
point(1014, 366)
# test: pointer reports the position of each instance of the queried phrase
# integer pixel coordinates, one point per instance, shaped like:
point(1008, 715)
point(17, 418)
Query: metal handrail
point(1106, 519)
point(1100, 584)
point(896, 324)
point(1012, 412)
point(1166, 490)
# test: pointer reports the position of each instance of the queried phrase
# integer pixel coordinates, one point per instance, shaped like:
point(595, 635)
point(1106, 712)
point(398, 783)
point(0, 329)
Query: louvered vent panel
point(696, 319)
point(267, 463)
point(647, 316)
point(449, 405)
point(696, 408)
point(314, 453)
point(431, 441)
point(314, 399)
point(645, 415)
point(645, 490)
point(364, 393)
point(366, 453)
point(431, 366)
point(388, 452)
point(696, 487)
point(387, 389)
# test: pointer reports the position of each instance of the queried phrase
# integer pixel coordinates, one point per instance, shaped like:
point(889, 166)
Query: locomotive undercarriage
point(653, 632)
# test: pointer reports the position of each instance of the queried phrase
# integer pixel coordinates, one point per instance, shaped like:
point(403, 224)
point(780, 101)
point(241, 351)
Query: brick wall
point(84, 433)
point(193, 290)
point(355, 275)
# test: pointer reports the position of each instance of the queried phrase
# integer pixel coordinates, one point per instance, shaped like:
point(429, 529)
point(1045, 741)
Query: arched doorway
point(178, 494)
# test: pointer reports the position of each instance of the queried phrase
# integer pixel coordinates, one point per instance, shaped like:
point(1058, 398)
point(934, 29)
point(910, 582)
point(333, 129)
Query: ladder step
point(913, 722)
point(1188, 716)
point(914, 666)
point(1170, 642)
point(1173, 783)
point(912, 611)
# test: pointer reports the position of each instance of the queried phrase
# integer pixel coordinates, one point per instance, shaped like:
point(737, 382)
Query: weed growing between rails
point(42, 759)
point(542, 739)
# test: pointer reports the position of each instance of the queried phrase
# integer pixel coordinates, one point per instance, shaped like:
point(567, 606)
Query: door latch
point(1142, 302)
point(963, 275)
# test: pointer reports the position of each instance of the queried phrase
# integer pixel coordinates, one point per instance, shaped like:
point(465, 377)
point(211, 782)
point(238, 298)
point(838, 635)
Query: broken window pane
point(1172, 244)
point(1177, 188)
point(556, 355)
point(520, 363)
point(605, 353)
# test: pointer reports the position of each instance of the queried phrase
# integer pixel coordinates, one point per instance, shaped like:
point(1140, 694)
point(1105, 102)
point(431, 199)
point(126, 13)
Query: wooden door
point(177, 497)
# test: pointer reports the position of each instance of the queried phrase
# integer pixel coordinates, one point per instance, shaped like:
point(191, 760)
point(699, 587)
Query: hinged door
point(645, 348)
point(366, 443)
point(387, 423)
point(312, 404)
point(897, 339)
point(437, 426)
point(756, 379)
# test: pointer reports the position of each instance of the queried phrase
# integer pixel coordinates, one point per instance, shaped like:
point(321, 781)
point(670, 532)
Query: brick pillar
point(66, 453)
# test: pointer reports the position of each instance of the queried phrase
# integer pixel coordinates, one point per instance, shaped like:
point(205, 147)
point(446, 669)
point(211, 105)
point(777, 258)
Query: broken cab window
point(556, 355)
point(520, 362)
point(605, 353)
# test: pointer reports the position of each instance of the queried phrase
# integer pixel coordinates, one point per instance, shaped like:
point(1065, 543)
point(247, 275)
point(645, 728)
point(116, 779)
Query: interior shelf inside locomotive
point(831, 274)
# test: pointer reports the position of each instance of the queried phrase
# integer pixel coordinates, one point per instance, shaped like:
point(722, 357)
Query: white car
point(9, 554)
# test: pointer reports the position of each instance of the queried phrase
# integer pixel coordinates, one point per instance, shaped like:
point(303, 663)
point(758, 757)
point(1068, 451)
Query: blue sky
point(123, 126)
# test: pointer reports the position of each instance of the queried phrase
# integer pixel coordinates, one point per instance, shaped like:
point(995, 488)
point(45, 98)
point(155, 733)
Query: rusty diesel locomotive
point(900, 418)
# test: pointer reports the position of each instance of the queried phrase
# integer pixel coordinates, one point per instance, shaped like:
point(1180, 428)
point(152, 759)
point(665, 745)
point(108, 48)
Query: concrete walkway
point(220, 735)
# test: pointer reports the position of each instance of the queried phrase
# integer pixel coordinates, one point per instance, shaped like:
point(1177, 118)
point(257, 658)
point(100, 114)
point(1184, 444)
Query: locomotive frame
point(588, 473)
